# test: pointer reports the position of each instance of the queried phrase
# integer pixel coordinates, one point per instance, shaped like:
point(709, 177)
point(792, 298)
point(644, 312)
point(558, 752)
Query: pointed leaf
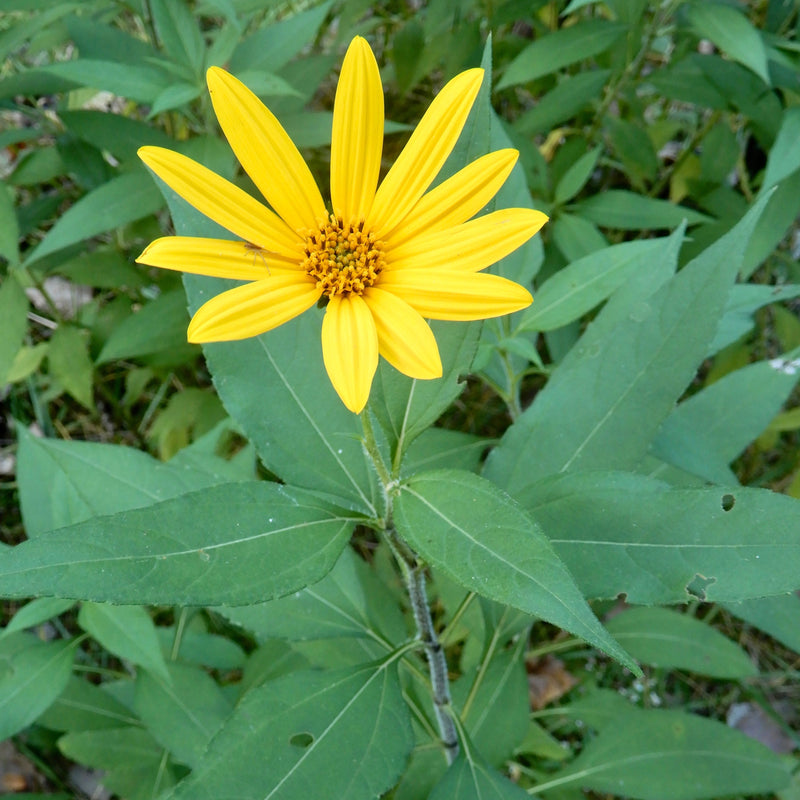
point(624, 533)
point(475, 534)
point(349, 601)
point(559, 49)
point(669, 755)
point(34, 674)
point(89, 479)
point(637, 368)
point(127, 632)
point(671, 640)
point(183, 710)
point(235, 543)
point(347, 731)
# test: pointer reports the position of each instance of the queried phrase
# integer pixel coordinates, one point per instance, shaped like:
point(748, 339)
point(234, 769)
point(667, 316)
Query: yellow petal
point(457, 199)
point(405, 340)
point(217, 258)
point(471, 246)
point(425, 152)
point(350, 349)
point(222, 201)
point(449, 294)
point(357, 133)
point(266, 152)
point(254, 308)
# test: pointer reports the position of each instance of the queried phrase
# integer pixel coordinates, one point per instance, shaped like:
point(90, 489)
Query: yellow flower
point(385, 259)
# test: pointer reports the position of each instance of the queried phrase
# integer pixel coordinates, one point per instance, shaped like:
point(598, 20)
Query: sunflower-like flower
point(385, 258)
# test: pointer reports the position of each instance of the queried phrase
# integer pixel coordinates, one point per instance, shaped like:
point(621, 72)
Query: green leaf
point(350, 601)
point(82, 706)
point(731, 31)
point(232, 544)
point(493, 701)
point(560, 49)
point(159, 326)
point(123, 199)
point(131, 760)
point(126, 631)
point(475, 534)
point(620, 208)
point(139, 82)
point(638, 364)
point(121, 136)
point(583, 284)
point(13, 321)
point(346, 730)
point(634, 148)
point(104, 268)
point(564, 102)
point(784, 157)
point(744, 300)
point(182, 710)
point(709, 429)
point(69, 363)
point(672, 640)
point(624, 533)
point(9, 229)
point(776, 616)
point(89, 479)
point(576, 176)
point(198, 647)
point(274, 45)
point(436, 448)
point(34, 673)
point(174, 96)
point(576, 237)
point(180, 37)
point(35, 613)
point(670, 755)
point(469, 777)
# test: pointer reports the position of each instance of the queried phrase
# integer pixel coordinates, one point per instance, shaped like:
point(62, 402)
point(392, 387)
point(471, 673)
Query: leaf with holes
point(625, 533)
point(347, 730)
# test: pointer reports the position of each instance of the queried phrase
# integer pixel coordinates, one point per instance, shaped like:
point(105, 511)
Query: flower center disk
point(343, 258)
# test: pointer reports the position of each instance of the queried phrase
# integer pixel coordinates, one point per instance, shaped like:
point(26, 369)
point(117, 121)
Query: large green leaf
point(180, 36)
point(82, 706)
point(670, 755)
point(236, 543)
point(556, 50)
point(182, 710)
point(350, 601)
point(671, 640)
point(89, 479)
point(585, 283)
point(623, 533)
point(34, 673)
point(708, 430)
point(620, 208)
point(475, 534)
point(636, 367)
point(346, 730)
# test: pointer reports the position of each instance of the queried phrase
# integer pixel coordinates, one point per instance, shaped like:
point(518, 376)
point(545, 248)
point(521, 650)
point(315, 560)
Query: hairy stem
point(414, 576)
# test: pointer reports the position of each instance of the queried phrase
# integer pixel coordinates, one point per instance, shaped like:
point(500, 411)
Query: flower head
point(384, 257)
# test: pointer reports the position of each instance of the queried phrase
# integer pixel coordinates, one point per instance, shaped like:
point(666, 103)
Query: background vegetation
point(632, 119)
